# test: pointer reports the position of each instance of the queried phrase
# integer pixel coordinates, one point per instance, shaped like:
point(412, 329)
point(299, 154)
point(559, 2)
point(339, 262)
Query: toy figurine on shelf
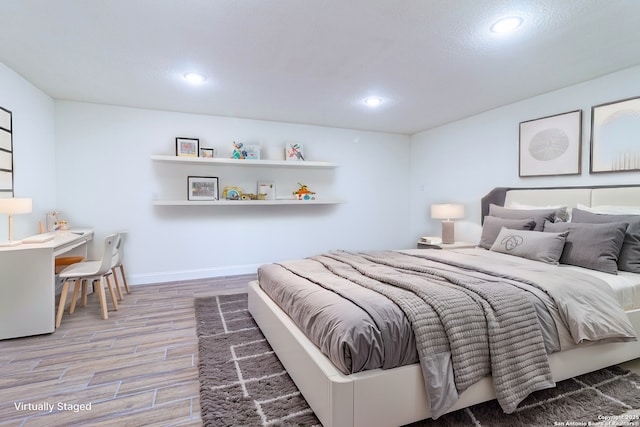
point(303, 193)
point(238, 151)
point(231, 193)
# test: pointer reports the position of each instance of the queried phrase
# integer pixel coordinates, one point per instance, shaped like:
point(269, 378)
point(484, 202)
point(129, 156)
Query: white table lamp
point(447, 212)
point(11, 207)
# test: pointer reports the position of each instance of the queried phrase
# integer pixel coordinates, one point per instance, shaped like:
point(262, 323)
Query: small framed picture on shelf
point(293, 152)
point(208, 153)
point(252, 151)
point(266, 190)
point(187, 147)
point(202, 188)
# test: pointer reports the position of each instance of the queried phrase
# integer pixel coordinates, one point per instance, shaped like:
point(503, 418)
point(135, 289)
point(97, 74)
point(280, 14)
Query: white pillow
point(563, 213)
point(611, 209)
point(518, 205)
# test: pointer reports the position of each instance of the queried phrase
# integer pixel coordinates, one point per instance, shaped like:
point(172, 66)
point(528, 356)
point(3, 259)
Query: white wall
point(462, 161)
point(106, 180)
point(92, 162)
point(34, 150)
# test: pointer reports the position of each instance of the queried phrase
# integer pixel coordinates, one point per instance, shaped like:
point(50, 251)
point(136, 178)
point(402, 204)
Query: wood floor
point(138, 368)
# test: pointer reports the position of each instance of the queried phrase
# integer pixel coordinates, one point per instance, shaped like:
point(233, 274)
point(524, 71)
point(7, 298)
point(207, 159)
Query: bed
point(397, 394)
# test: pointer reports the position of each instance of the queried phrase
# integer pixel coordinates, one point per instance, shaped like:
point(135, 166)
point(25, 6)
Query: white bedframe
point(397, 396)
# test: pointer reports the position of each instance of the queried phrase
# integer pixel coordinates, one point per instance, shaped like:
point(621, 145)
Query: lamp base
point(11, 243)
point(448, 232)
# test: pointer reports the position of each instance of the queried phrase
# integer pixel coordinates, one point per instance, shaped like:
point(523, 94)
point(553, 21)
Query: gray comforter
point(462, 315)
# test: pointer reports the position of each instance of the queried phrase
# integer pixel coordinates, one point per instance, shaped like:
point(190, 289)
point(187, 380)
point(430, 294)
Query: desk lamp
point(447, 212)
point(10, 207)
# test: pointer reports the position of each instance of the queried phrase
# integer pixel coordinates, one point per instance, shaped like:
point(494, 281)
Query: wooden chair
point(117, 265)
point(93, 272)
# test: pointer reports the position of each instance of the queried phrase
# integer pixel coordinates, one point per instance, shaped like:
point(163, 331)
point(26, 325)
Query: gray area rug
point(242, 383)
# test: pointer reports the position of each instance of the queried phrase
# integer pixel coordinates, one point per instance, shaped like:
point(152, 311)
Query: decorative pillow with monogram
point(492, 225)
point(545, 247)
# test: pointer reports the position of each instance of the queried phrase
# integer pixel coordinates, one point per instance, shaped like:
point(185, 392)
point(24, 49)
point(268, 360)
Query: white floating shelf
point(243, 163)
point(244, 202)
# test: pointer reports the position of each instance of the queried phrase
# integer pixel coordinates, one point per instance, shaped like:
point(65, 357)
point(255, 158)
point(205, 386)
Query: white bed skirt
point(396, 396)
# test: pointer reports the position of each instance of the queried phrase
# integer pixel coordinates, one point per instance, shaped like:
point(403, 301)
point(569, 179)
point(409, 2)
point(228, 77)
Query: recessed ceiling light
point(506, 25)
point(373, 101)
point(195, 77)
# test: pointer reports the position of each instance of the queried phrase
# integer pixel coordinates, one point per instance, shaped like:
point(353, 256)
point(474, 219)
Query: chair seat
point(60, 263)
point(81, 269)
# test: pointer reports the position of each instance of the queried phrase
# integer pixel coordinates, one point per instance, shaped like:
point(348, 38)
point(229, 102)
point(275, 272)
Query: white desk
point(27, 282)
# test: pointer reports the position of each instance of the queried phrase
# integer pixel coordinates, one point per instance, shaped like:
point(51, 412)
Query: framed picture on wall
point(6, 154)
point(551, 145)
point(202, 188)
point(615, 130)
point(187, 147)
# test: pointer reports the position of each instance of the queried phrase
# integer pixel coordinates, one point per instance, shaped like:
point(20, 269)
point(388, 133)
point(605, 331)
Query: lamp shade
point(447, 211)
point(11, 207)
point(15, 206)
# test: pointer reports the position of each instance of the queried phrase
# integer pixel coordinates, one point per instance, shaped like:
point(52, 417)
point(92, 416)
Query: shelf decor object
point(207, 153)
point(614, 136)
point(303, 193)
point(267, 188)
point(294, 152)
point(202, 188)
point(6, 153)
point(551, 145)
point(447, 212)
point(11, 207)
point(242, 151)
point(187, 147)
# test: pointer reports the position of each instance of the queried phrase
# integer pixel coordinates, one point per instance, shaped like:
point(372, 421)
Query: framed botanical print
point(551, 145)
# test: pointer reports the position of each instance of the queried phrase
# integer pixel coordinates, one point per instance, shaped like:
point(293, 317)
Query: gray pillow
point(538, 215)
point(545, 247)
point(593, 246)
point(492, 225)
point(629, 259)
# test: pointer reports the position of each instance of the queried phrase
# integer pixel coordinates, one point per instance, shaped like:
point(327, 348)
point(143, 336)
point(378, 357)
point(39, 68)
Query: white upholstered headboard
point(623, 195)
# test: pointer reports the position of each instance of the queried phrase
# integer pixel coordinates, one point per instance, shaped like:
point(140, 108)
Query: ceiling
point(314, 61)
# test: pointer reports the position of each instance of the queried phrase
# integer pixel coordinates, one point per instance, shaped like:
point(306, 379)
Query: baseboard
point(181, 275)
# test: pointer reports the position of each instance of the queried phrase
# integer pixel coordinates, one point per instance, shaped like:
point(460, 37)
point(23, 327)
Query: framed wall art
point(6, 154)
point(551, 145)
point(202, 188)
point(187, 147)
point(615, 131)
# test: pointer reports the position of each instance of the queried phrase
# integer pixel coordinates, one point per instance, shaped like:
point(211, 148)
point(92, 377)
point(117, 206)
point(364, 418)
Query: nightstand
point(446, 246)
